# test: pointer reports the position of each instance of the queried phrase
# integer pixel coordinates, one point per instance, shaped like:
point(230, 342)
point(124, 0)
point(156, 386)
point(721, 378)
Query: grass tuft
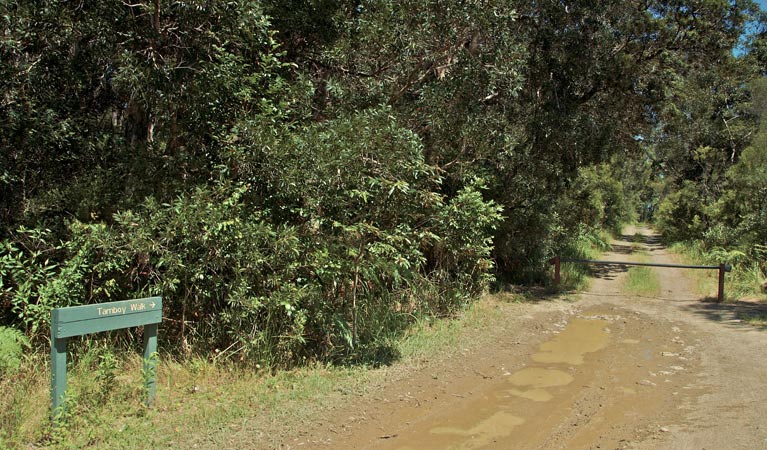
point(757, 320)
point(746, 280)
point(642, 281)
point(590, 244)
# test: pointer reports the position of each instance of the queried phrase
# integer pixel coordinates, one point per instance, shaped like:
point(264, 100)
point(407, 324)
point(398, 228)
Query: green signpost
point(79, 320)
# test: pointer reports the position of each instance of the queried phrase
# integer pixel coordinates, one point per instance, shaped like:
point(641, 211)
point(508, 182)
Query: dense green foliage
point(12, 343)
point(715, 191)
point(300, 179)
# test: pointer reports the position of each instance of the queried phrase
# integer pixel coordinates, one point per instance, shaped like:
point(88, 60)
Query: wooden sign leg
point(58, 376)
point(150, 362)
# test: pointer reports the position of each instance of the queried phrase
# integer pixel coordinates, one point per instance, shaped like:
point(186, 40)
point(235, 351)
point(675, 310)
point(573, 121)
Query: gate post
point(720, 296)
point(556, 262)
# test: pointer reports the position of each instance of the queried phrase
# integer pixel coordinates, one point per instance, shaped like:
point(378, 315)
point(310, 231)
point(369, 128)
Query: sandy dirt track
point(600, 371)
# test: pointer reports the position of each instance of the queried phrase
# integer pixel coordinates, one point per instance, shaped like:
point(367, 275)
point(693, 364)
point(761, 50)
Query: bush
point(681, 215)
point(12, 343)
point(329, 234)
point(596, 199)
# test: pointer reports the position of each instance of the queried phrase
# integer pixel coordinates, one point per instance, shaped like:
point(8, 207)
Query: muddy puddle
point(522, 398)
point(615, 372)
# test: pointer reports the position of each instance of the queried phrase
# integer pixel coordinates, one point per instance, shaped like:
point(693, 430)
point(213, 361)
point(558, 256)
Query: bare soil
point(600, 370)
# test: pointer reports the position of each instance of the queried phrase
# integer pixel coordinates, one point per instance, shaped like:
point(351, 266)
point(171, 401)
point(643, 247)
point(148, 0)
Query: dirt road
point(605, 371)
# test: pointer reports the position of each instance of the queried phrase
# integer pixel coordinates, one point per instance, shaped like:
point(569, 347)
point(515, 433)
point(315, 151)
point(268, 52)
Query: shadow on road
point(743, 315)
point(652, 242)
point(609, 272)
point(623, 249)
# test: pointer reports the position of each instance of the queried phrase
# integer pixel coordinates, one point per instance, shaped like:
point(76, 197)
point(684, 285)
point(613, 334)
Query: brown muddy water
point(588, 384)
point(496, 415)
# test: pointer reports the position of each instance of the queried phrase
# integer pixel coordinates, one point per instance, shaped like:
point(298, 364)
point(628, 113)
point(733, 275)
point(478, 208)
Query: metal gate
point(722, 268)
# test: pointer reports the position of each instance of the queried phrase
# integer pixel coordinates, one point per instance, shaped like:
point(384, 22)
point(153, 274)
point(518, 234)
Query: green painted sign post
point(79, 320)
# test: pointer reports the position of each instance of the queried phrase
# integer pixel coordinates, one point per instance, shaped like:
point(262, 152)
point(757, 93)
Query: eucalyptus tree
point(107, 102)
point(178, 149)
point(523, 94)
point(292, 174)
point(705, 121)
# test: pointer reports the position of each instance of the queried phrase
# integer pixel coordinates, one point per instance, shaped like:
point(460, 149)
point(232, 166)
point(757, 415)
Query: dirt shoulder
point(599, 370)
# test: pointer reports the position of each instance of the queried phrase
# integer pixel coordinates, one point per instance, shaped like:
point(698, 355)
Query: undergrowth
point(758, 320)
point(641, 280)
point(209, 401)
point(746, 280)
point(589, 244)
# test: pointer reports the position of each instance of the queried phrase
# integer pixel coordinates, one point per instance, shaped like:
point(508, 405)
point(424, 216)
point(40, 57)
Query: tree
point(106, 103)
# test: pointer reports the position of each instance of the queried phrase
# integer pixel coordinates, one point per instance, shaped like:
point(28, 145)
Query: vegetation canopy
point(302, 180)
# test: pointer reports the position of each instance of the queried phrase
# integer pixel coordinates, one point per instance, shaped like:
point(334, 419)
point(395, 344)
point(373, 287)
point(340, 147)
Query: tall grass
point(642, 281)
point(24, 403)
point(589, 244)
point(209, 402)
point(746, 280)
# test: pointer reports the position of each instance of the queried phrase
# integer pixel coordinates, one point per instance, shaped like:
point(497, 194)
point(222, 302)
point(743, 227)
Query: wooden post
point(720, 296)
point(80, 320)
point(556, 261)
point(58, 376)
point(150, 362)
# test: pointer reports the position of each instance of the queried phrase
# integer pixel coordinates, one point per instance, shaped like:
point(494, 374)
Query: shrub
point(12, 343)
point(328, 234)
